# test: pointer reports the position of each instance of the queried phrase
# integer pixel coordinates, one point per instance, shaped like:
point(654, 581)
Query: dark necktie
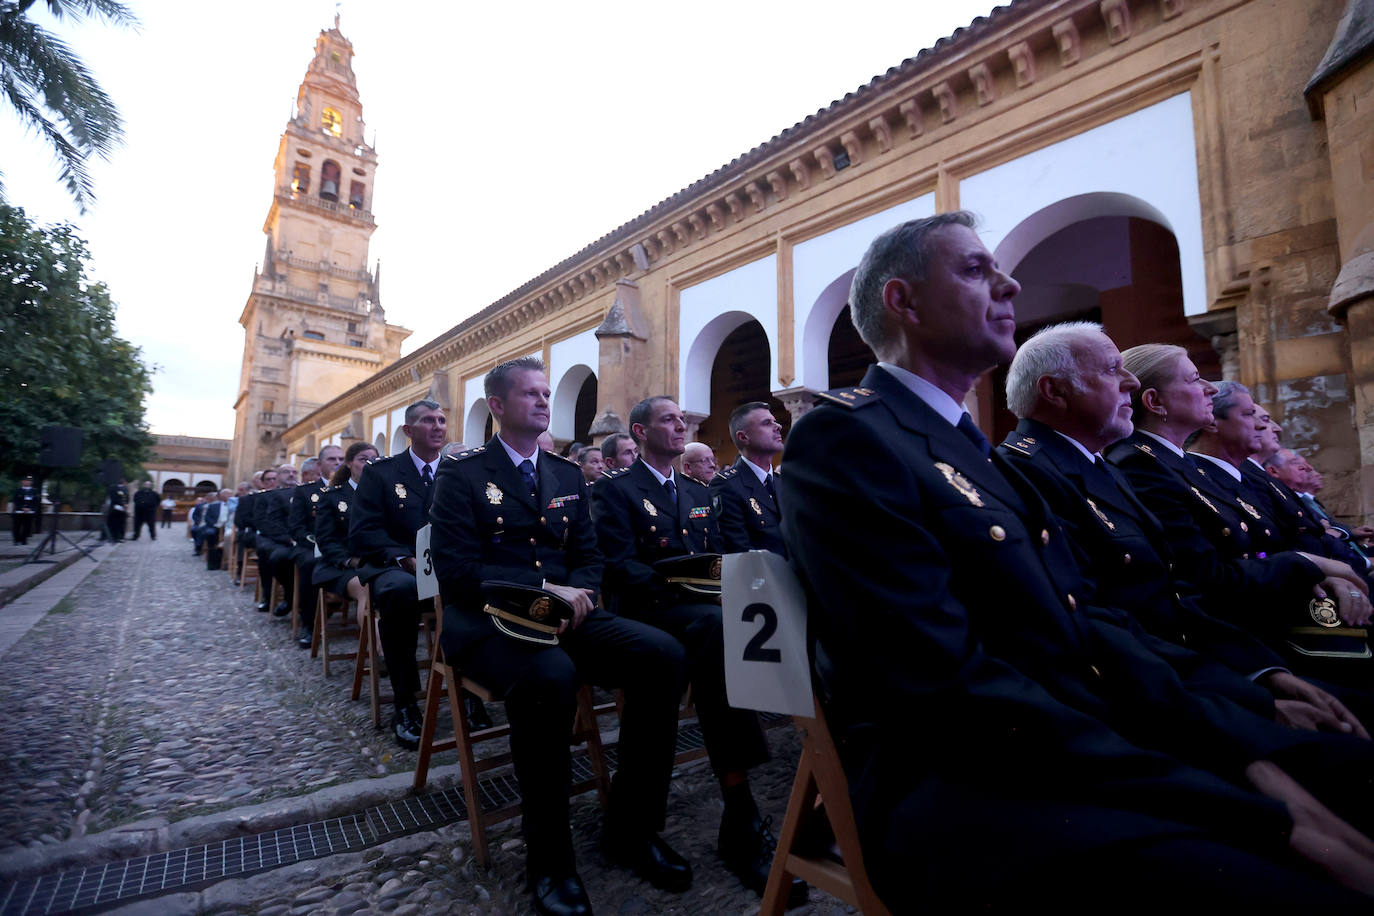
point(427, 476)
point(527, 472)
point(672, 491)
point(974, 434)
point(772, 491)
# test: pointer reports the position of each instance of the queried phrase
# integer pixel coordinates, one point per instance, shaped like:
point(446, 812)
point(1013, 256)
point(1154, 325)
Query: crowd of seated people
point(1124, 651)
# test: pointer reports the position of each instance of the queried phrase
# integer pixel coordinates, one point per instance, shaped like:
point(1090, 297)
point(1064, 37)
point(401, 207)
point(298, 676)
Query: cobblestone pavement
point(154, 690)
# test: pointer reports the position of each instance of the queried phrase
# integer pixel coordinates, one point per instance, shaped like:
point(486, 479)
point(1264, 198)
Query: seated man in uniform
point(618, 450)
point(745, 496)
point(300, 521)
point(646, 513)
point(589, 459)
point(1002, 744)
point(513, 512)
point(390, 505)
point(699, 463)
point(273, 543)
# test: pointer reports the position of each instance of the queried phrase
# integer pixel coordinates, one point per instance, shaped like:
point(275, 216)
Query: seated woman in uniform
point(336, 571)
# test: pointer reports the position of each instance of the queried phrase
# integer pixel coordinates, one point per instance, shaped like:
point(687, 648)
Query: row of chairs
point(819, 774)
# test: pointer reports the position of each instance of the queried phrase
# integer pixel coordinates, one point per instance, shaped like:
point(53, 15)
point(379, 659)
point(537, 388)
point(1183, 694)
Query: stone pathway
point(154, 693)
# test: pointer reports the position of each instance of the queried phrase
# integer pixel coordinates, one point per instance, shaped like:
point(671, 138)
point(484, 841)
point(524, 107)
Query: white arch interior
point(475, 426)
point(396, 419)
point(1145, 161)
point(378, 428)
point(818, 265)
point(563, 410)
point(379, 443)
point(473, 397)
point(709, 311)
point(398, 441)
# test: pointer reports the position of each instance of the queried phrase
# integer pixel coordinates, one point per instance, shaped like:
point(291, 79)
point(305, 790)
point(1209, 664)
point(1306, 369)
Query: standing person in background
point(169, 506)
point(24, 508)
point(118, 514)
point(145, 510)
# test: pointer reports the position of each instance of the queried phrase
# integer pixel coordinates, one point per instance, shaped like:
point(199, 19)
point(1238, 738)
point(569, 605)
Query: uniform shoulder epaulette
point(1024, 445)
point(469, 453)
point(563, 458)
point(613, 473)
point(1146, 449)
point(850, 397)
point(726, 474)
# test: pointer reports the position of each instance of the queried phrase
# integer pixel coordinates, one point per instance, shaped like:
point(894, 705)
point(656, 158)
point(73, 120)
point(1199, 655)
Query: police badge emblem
point(494, 494)
point(649, 508)
point(1323, 611)
point(754, 504)
point(539, 610)
point(959, 482)
point(343, 505)
point(400, 491)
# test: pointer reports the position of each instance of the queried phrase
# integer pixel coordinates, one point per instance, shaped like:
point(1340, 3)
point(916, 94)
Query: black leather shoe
point(747, 848)
point(305, 640)
point(405, 725)
point(560, 896)
point(281, 610)
point(652, 859)
point(262, 605)
point(478, 717)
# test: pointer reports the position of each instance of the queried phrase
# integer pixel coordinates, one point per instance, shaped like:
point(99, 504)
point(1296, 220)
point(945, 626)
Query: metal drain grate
point(199, 866)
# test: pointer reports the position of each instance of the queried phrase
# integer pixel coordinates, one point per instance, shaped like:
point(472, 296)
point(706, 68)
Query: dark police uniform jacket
point(389, 506)
point(270, 514)
point(1295, 521)
point(959, 655)
point(488, 527)
point(1211, 535)
point(300, 519)
point(1127, 554)
point(748, 516)
point(636, 526)
point(24, 501)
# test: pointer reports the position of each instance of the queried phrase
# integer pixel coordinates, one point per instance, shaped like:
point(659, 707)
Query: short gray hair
point(309, 464)
point(1049, 351)
point(1281, 458)
point(325, 448)
point(902, 251)
point(498, 381)
point(1228, 392)
point(414, 410)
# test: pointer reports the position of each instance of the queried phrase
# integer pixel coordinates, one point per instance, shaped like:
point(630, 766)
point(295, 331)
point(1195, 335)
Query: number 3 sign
point(426, 583)
point(764, 609)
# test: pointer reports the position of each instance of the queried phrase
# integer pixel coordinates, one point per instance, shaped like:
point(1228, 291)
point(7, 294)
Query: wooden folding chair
point(819, 774)
point(365, 662)
point(296, 605)
point(248, 572)
point(443, 679)
point(325, 605)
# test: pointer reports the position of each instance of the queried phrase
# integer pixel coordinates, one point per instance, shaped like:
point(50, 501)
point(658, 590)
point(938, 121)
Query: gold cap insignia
point(1323, 611)
point(401, 490)
point(959, 482)
point(1102, 516)
point(649, 508)
point(540, 609)
point(494, 494)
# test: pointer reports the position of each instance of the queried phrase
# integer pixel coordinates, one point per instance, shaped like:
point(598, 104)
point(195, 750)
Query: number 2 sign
point(764, 609)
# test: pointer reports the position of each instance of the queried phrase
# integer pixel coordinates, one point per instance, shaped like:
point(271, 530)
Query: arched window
point(312, 335)
point(332, 122)
point(300, 178)
point(329, 180)
point(355, 195)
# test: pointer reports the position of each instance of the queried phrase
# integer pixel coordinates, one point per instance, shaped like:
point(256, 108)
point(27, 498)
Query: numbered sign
point(426, 583)
point(764, 608)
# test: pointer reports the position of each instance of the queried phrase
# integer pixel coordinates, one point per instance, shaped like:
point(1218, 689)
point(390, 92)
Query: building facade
point(1156, 165)
point(184, 467)
point(313, 324)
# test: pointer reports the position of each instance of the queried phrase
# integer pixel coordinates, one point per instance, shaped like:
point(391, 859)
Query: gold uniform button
point(997, 533)
point(653, 529)
point(684, 530)
point(1073, 604)
point(1093, 669)
point(500, 520)
point(543, 520)
point(565, 519)
point(1126, 559)
point(1226, 532)
point(1266, 532)
point(1183, 638)
point(538, 564)
point(531, 542)
point(1245, 556)
point(1044, 535)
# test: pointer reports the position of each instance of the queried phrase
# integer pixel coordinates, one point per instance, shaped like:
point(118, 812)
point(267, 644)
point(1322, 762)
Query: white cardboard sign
point(426, 583)
point(764, 610)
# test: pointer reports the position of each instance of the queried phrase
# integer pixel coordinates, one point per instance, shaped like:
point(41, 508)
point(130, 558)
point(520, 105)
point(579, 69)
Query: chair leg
point(436, 683)
point(373, 685)
point(799, 806)
point(319, 633)
point(586, 726)
point(477, 821)
point(296, 605)
point(360, 662)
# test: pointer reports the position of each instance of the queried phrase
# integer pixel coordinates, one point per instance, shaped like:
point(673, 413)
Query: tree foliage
point(61, 361)
point(54, 94)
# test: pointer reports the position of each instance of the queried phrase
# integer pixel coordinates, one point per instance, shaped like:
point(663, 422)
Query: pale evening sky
point(508, 136)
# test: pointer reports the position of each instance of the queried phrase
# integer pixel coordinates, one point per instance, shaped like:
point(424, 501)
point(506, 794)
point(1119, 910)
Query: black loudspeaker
point(111, 471)
point(61, 446)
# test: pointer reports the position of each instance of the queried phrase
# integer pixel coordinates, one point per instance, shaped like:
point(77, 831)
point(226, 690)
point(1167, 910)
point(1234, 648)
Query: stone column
point(1219, 327)
point(797, 400)
point(694, 421)
point(621, 377)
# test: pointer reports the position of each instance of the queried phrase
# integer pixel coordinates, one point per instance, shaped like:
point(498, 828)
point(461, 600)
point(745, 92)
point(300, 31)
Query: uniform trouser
point(21, 526)
point(305, 575)
point(539, 687)
point(268, 551)
point(141, 519)
point(115, 523)
point(734, 739)
point(398, 619)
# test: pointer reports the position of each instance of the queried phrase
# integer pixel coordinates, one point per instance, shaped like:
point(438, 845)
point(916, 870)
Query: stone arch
point(380, 444)
point(820, 324)
point(695, 396)
point(398, 441)
point(475, 426)
point(563, 417)
point(738, 375)
point(1058, 216)
point(173, 487)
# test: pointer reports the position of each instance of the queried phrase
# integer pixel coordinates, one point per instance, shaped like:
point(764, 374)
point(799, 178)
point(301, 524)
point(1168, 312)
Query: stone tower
point(313, 325)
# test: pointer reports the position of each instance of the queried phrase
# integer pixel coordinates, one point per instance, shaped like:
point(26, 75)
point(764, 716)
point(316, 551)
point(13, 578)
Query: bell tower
point(313, 324)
